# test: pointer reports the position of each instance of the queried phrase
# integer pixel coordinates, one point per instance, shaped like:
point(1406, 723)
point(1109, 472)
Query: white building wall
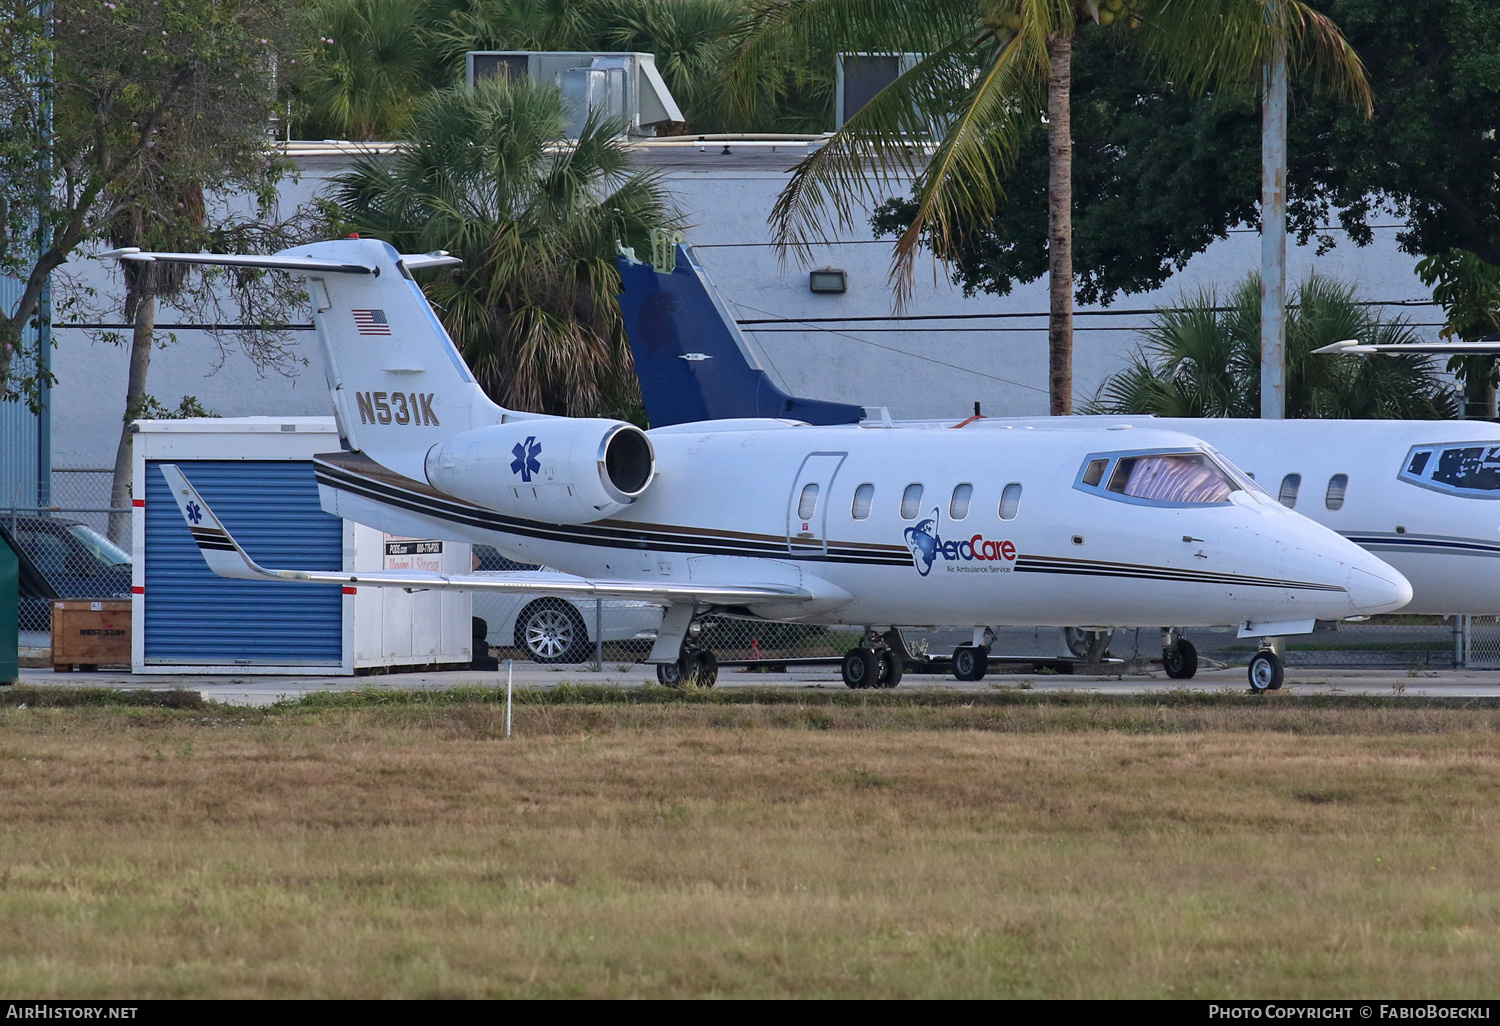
point(916, 370)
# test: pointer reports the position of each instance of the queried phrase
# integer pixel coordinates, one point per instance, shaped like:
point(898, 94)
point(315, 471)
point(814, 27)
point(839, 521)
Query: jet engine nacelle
point(561, 471)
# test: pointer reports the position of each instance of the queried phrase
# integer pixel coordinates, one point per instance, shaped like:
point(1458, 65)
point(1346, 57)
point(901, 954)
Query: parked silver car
point(556, 630)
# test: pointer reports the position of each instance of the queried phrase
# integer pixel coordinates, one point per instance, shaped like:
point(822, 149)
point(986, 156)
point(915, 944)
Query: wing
point(278, 261)
point(1487, 346)
point(225, 558)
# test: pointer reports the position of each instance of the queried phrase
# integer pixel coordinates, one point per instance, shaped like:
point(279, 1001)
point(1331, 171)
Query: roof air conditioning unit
point(861, 75)
point(622, 85)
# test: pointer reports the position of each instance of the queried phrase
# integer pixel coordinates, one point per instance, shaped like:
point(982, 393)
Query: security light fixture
point(828, 279)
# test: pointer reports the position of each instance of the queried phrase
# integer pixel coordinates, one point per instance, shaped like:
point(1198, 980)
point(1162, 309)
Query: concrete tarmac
point(258, 691)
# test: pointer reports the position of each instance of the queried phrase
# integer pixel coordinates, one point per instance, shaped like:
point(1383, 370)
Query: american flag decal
point(371, 322)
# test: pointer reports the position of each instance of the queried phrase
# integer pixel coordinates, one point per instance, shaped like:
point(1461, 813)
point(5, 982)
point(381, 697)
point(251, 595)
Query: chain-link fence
point(1382, 643)
point(65, 549)
point(1479, 642)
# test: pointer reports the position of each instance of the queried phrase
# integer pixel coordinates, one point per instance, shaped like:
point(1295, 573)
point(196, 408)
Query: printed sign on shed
point(414, 555)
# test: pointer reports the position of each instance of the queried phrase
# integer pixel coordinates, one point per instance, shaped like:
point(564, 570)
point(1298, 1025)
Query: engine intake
point(562, 471)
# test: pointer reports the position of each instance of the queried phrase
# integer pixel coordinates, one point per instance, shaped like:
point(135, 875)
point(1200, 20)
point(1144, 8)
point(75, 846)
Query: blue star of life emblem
point(194, 512)
point(525, 462)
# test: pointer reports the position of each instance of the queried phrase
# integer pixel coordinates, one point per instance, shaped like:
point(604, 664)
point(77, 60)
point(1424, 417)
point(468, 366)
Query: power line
point(914, 356)
point(194, 327)
point(988, 331)
point(1145, 311)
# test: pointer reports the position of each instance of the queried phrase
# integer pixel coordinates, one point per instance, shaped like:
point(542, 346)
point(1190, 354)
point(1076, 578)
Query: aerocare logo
point(972, 555)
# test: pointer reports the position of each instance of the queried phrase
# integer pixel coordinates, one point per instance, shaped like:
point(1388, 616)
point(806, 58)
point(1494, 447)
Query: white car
point(556, 630)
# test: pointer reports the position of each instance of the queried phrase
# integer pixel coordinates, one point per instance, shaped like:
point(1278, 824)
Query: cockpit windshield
point(1461, 468)
point(1158, 478)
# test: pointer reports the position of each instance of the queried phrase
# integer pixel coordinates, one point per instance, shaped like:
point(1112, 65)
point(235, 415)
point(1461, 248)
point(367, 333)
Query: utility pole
point(1273, 235)
point(44, 301)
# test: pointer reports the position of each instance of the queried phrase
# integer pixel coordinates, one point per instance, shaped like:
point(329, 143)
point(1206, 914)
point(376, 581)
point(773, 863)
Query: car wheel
point(551, 631)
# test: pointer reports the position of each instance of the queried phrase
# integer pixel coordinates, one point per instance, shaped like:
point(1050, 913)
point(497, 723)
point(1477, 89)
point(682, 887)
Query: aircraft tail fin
point(398, 383)
point(691, 359)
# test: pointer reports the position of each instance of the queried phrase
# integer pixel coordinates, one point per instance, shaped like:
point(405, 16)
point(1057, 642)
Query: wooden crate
point(89, 633)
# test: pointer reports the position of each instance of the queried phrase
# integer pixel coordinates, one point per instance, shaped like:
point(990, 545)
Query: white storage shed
point(256, 473)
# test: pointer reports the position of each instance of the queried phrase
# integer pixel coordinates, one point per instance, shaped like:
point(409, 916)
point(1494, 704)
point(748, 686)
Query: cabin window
point(1288, 494)
point(1094, 472)
point(807, 505)
point(958, 506)
point(1010, 501)
point(1338, 484)
point(911, 502)
point(864, 495)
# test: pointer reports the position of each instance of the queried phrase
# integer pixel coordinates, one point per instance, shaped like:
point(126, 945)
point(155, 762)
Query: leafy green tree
point(129, 83)
point(1468, 289)
point(533, 308)
point(991, 72)
point(365, 62)
point(1201, 359)
point(1160, 174)
point(360, 65)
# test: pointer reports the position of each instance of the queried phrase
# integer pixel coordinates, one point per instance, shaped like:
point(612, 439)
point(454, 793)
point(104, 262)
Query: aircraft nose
point(1376, 587)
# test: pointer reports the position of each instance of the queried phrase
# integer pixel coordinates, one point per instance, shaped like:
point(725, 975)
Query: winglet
point(220, 551)
point(1344, 346)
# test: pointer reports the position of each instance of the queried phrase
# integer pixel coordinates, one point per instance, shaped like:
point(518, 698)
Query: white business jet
point(771, 518)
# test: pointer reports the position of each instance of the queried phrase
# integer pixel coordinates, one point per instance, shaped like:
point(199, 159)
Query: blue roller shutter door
point(194, 616)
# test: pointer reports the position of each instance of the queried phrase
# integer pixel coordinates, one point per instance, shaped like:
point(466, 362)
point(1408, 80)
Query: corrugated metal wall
point(193, 616)
point(17, 423)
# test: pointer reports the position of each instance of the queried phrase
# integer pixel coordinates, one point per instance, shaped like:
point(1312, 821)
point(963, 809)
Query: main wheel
point(670, 674)
point(891, 669)
point(970, 662)
point(1181, 660)
point(1265, 672)
point(705, 669)
point(551, 631)
point(861, 668)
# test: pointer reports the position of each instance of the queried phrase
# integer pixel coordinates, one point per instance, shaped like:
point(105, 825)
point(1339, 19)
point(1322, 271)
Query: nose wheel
point(1266, 672)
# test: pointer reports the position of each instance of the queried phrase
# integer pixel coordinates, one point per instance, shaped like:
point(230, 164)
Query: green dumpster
point(10, 632)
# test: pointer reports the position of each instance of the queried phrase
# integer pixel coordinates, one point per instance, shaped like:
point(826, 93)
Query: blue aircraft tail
point(692, 362)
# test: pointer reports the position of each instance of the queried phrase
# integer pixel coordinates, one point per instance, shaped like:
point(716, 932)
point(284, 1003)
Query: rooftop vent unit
point(860, 76)
point(622, 85)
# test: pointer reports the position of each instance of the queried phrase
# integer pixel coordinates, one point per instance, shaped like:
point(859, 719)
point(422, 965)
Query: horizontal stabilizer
point(226, 558)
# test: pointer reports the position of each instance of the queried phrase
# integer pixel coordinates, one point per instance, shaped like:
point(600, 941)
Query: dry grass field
point(772, 845)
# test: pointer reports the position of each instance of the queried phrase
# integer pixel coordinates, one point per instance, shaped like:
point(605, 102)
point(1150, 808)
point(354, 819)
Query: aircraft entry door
point(807, 507)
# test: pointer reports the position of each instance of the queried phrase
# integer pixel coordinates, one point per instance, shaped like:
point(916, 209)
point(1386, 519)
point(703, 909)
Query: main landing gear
point(1178, 656)
point(878, 661)
point(696, 666)
point(680, 633)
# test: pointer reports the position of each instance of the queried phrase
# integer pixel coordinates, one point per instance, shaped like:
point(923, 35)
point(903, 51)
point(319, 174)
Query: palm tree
point(363, 64)
point(990, 70)
point(536, 222)
point(1201, 359)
